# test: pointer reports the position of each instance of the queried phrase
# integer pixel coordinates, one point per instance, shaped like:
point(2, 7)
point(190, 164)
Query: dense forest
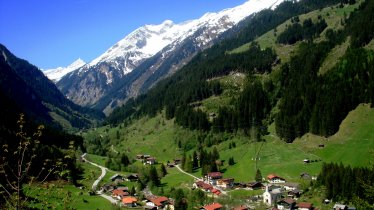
point(348, 184)
point(307, 101)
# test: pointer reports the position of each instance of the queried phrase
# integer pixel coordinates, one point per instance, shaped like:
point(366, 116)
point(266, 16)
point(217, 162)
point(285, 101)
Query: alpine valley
point(267, 105)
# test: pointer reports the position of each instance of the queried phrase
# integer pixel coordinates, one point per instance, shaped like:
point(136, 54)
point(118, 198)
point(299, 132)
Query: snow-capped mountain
point(56, 74)
point(149, 53)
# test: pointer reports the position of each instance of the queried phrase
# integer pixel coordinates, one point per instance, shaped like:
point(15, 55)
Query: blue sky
point(52, 33)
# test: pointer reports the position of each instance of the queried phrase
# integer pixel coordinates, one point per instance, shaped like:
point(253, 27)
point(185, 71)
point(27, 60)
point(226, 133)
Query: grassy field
point(175, 178)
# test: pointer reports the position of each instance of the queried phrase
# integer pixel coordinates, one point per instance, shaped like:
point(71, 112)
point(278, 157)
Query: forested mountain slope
point(296, 96)
point(38, 97)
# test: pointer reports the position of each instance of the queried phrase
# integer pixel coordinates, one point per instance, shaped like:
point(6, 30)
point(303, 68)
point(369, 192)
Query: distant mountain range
point(141, 59)
point(56, 74)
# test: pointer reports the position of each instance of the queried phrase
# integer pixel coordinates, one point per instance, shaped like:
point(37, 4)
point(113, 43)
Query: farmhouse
point(213, 206)
point(129, 201)
point(158, 202)
point(271, 196)
point(305, 206)
point(273, 178)
point(212, 177)
point(204, 186)
point(119, 194)
point(132, 177)
point(150, 161)
point(255, 185)
point(116, 177)
point(286, 204)
point(291, 186)
point(225, 183)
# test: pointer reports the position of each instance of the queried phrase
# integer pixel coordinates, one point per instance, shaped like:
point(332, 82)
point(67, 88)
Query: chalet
point(204, 186)
point(170, 165)
point(213, 206)
point(305, 206)
point(132, 177)
point(212, 177)
point(156, 201)
point(150, 161)
point(271, 196)
point(255, 185)
point(139, 157)
point(291, 186)
point(306, 161)
point(225, 183)
point(216, 192)
point(286, 204)
point(129, 201)
point(119, 194)
point(107, 188)
point(294, 193)
point(116, 177)
point(241, 207)
point(273, 178)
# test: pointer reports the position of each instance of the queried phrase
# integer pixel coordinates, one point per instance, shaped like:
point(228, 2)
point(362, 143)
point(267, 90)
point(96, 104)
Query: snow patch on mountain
point(56, 74)
point(148, 40)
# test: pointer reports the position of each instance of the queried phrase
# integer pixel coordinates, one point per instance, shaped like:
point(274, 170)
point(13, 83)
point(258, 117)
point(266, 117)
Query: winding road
point(96, 182)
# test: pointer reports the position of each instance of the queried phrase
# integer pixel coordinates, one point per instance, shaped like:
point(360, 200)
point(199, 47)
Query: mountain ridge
point(91, 84)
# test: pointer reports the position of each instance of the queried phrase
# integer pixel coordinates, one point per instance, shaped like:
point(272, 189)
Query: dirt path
point(177, 166)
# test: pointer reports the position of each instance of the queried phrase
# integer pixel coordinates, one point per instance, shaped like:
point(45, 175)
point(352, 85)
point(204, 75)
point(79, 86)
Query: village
point(278, 194)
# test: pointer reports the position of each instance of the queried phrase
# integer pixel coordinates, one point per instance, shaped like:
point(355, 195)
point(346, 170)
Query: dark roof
point(305, 205)
point(215, 174)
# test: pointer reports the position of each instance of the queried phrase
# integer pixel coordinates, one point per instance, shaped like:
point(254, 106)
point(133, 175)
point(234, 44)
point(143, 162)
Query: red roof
point(204, 185)
point(273, 176)
point(215, 174)
point(240, 208)
point(118, 192)
point(213, 206)
point(215, 191)
point(305, 205)
point(129, 200)
point(158, 200)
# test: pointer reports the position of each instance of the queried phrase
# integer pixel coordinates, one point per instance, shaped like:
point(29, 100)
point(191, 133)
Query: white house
point(274, 179)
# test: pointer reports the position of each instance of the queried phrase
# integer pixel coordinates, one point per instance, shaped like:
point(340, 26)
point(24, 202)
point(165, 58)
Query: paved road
point(94, 185)
point(103, 172)
point(177, 166)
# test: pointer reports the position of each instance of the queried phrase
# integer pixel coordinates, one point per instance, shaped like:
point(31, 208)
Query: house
point(291, 186)
point(273, 178)
point(225, 183)
point(157, 201)
point(115, 177)
point(119, 194)
point(204, 186)
point(216, 192)
point(294, 193)
point(150, 161)
point(241, 207)
point(176, 161)
point(213, 206)
point(107, 188)
point(139, 157)
point(286, 204)
point(170, 165)
point(271, 196)
point(306, 161)
point(255, 185)
point(129, 201)
point(212, 177)
point(305, 206)
point(123, 188)
point(132, 177)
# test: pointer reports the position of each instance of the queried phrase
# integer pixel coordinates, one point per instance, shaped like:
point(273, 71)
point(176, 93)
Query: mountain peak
point(56, 74)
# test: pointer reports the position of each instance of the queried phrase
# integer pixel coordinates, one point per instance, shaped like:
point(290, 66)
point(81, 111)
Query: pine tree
point(258, 176)
point(163, 170)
